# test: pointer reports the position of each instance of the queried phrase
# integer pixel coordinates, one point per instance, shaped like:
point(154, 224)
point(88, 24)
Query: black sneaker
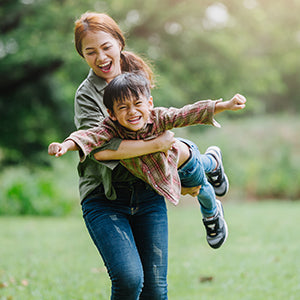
point(217, 178)
point(216, 228)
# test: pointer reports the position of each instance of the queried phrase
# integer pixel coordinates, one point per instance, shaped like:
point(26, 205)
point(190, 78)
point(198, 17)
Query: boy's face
point(132, 113)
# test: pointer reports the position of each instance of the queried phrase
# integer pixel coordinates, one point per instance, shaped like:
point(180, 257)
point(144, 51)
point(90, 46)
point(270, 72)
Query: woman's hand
point(193, 191)
point(165, 141)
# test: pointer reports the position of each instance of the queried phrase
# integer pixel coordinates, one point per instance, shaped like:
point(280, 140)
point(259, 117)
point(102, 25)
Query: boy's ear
point(150, 102)
point(111, 115)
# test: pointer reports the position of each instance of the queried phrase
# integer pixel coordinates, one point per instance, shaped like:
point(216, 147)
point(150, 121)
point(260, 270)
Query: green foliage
point(54, 258)
point(30, 53)
point(25, 191)
point(199, 49)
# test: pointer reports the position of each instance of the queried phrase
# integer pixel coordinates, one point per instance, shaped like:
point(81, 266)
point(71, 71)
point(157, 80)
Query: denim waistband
point(127, 184)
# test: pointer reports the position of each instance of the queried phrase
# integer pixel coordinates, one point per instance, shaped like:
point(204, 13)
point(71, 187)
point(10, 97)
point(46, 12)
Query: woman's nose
point(101, 56)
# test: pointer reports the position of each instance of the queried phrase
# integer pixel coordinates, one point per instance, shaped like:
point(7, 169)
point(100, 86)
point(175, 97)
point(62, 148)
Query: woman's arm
point(134, 148)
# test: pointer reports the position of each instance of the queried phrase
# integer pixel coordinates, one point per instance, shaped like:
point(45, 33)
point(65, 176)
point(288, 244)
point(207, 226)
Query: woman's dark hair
point(124, 86)
point(94, 22)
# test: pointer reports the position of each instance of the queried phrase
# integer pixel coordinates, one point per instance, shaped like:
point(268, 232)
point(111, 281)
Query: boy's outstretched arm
point(236, 103)
point(59, 149)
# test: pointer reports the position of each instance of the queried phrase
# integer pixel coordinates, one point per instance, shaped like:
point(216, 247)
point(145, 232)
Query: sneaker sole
point(218, 202)
point(217, 154)
point(219, 192)
point(220, 209)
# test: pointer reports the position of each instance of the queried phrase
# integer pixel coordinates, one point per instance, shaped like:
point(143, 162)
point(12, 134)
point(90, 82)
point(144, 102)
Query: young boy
point(132, 116)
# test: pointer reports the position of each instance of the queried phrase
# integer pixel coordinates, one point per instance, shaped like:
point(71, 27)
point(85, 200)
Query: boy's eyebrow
point(119, 103)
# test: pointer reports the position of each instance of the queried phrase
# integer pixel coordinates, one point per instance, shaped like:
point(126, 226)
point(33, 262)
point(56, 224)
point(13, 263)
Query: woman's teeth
point(105, 67)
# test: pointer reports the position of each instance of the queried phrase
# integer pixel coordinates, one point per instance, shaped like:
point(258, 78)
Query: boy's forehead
point(122, 100)
point(131, 99)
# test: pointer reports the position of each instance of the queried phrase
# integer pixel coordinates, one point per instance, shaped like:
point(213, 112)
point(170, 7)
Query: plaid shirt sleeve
point(200, 112)
point(88, 140)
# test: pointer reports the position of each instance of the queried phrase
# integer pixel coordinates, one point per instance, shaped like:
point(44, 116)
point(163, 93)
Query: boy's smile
point(132, 113)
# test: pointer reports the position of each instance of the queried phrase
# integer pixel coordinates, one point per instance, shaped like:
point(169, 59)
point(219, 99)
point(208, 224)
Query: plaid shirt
point(157, 169)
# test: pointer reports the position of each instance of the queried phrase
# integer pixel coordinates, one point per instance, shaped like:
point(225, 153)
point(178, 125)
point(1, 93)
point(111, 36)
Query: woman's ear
point(111, 115)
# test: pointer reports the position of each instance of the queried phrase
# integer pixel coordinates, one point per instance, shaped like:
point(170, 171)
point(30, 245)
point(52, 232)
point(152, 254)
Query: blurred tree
point(31, 109)
point(205, 49)
point(200, 49)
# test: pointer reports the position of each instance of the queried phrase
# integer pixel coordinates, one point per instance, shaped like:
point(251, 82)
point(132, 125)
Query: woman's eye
point(106, 48)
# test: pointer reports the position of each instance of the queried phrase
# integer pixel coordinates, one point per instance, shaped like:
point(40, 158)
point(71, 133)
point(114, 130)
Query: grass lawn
point(53, 258)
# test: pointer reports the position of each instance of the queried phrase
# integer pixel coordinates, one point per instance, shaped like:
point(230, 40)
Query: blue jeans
point(131, 235)
point(192, 173)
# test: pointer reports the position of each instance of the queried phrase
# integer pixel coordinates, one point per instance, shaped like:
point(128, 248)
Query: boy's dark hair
point(125, 86)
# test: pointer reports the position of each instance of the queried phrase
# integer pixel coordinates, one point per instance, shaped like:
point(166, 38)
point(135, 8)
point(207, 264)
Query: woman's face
point(102, 53)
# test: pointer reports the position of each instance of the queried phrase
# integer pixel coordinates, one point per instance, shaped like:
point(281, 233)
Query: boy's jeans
point(192, 173)
point(131, 234)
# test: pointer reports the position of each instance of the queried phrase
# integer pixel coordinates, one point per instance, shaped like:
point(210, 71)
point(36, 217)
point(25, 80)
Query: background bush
point(40, 191)
point(199, 49)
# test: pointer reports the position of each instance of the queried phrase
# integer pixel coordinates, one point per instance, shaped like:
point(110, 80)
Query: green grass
point(53, 258)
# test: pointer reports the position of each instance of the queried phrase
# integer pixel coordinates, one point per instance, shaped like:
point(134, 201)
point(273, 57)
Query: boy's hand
point(237, 102)
point(57, 149)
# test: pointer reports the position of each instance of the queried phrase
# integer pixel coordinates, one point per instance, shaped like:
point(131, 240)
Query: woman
point(126, 219)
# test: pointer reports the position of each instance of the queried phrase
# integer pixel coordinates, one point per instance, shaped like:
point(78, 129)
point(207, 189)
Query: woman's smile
point(105, 67)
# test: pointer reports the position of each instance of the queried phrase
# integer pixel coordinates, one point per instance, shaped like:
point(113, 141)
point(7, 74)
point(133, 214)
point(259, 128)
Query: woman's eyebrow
point(91, 48)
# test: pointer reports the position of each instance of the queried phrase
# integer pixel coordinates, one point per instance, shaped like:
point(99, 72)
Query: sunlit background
point(198, 49)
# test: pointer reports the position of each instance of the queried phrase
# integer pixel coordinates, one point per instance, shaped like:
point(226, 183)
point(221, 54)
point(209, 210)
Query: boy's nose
point(131, 111)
